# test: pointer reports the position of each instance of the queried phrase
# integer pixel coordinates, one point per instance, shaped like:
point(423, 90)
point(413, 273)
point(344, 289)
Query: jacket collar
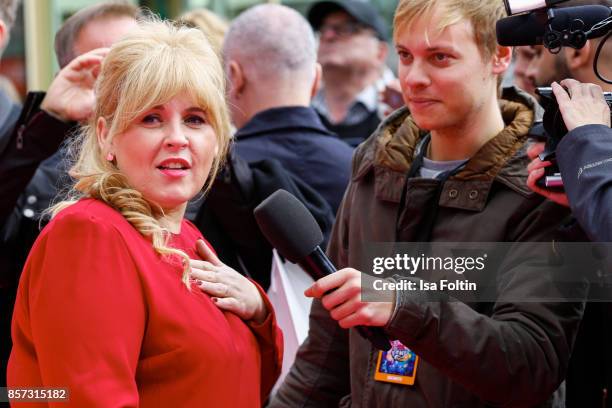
point(282, 119)
point(391, 152)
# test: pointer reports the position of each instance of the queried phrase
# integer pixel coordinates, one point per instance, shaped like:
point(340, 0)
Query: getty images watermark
point(406, 263)
point(487, 271)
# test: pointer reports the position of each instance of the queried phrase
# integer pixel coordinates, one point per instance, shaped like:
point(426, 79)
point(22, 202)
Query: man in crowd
point(577, 64)
point(352, 52)
point(9, 113)
point(97, 26)
point(448, 168)
point(272, 81)
point(31, 161)
point(583, 156)
point(546, 67)
point(522, 59)
point(32, 156)
point(590, 374)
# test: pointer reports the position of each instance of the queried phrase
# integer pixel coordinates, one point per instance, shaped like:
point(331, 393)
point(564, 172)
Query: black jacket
point(226, 218)
point(27, 184)
point(357, 133)
point(30, 171)
point(296, 138)
point(34, 137)
point(507, 353)
point(9, 112)
point(584, 156)
point(585, 159)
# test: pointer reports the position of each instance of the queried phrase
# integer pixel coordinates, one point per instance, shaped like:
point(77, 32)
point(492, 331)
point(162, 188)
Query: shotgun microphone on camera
point(570, 26)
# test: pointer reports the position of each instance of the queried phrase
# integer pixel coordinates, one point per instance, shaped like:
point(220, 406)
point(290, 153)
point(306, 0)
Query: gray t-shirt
point(432, 169)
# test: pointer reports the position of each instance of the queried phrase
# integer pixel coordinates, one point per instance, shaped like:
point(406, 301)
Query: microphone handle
point(318, 265)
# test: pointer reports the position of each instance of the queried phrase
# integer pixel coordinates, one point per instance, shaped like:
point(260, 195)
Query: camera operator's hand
point(585, 104)
point(536, 170)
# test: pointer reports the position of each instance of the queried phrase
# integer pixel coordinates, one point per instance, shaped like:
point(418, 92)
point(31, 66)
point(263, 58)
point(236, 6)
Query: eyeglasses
point(342, 30)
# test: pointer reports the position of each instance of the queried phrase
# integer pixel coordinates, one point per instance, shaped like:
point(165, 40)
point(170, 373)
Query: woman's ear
point(102, 135)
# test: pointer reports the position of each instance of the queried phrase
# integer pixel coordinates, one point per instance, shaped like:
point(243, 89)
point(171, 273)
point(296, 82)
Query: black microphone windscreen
point(288, 225)
point(528, 29)
point(524, 29)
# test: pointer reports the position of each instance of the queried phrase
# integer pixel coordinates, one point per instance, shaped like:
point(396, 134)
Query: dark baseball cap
point(362, 11)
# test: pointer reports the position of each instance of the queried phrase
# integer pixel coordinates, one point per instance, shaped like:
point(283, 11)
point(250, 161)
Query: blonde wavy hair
point(148, 68)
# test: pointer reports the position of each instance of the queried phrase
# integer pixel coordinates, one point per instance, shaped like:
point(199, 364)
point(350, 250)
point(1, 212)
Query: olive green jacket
point(501, 354)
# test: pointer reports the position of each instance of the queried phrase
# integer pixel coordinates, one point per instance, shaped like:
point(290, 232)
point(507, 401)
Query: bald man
point(270, 60)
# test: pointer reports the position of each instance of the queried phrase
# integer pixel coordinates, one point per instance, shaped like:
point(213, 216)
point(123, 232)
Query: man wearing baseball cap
point(352, 53)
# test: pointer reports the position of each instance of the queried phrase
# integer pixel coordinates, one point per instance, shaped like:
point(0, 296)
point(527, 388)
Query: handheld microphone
point(293, 231)
point(532, 28)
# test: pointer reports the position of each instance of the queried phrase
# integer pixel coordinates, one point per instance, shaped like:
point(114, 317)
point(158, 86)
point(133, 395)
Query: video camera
point(555, 28)
point(555, 129)
point(537, 22)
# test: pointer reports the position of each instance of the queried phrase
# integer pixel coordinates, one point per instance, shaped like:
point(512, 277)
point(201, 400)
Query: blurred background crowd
point(38, 20)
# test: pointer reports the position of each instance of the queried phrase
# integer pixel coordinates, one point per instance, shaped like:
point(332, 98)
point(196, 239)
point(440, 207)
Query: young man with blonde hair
point(449, 167)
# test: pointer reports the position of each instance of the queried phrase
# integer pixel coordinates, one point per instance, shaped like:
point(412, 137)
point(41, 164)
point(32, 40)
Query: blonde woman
point(121, 302)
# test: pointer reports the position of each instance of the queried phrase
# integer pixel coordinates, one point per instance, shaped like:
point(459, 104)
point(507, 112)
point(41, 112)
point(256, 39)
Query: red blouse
point(99, 312)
